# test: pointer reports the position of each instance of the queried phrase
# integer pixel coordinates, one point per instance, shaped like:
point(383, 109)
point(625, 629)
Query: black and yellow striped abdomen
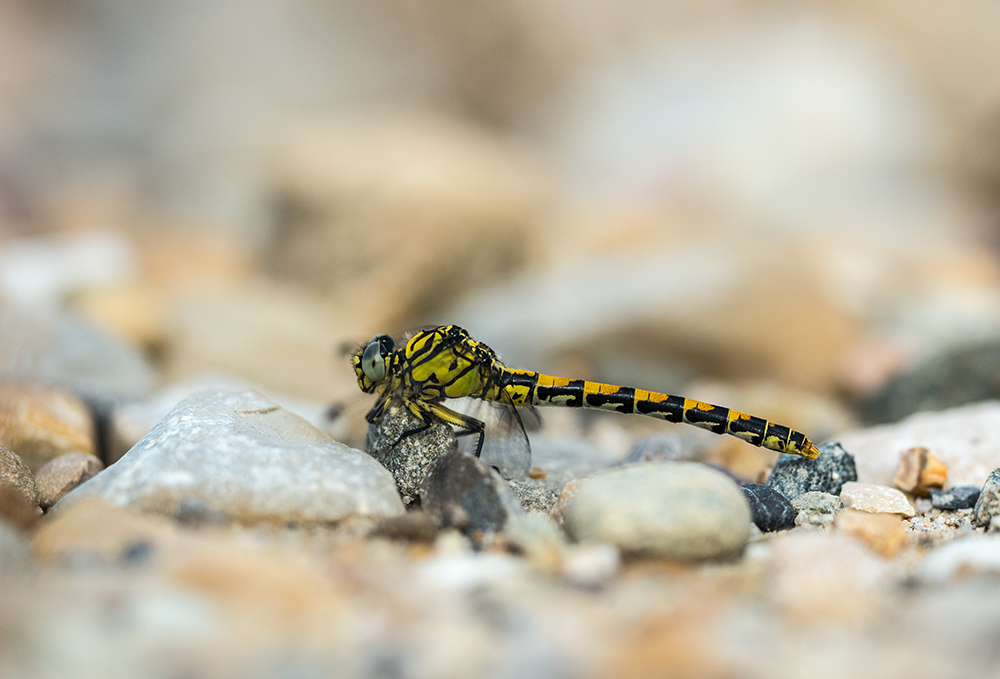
point(530, 388)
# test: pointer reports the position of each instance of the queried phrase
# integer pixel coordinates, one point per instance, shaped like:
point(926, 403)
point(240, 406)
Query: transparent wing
point(506, 445)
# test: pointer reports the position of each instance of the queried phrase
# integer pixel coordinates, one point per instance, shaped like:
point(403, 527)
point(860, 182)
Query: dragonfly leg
point(468, 425)
point(412, 432)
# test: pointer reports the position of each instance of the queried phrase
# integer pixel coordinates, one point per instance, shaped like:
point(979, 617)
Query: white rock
point(243, 455)
point(867, 497)
point(972, 555)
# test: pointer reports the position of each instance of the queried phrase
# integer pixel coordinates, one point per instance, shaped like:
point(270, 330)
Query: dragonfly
point(445, 362)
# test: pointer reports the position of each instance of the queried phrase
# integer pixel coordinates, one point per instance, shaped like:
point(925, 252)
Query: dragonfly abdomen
point(530, 388)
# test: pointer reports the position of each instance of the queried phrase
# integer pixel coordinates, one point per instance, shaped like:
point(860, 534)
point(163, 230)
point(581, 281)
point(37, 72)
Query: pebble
point(537, 495)
point(770, 509)
point(132, 420)
point(961, 558)
point(462, 492)
point(69, 353)
point(16, 474)
point(867, 497)
point(958, 497)
point(965, 439)
point(988, 504)
point(409, 459)
point(245, 456)
point(41, 423)
point(63, 474)
point(676, 509)
point(794, 475)
point(919, 471)
point(884, 533)
point(816, 508)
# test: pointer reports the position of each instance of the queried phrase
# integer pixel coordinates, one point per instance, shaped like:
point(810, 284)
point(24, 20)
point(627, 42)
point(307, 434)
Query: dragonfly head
point(372, 363)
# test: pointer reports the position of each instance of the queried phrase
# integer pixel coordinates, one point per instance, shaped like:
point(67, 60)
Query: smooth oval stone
point(677, 509)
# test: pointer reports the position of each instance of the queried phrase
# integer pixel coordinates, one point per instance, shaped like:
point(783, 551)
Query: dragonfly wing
point(506, 444)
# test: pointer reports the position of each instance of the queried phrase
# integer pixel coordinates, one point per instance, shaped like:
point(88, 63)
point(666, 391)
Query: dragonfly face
point(372, 364)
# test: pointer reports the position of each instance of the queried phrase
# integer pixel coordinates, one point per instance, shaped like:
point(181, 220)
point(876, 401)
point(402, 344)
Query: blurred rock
point(41, 273)
point(816, 508)
point(569, 457)
point(964, 374)
point(231, 329)
point(957, 497)
point(769, 509)
point(415, 526)
point(136, 312)
point(65, 352)
point(41, 423)
point(537, 537)
point(466, 494)
point(400, 214)
point(16, 474)
point(678, 509)
point(132, 420)
point(794, 475)
point(92, 531)
point(206, 447)
point(408, 458)
point(884, 533)
point(590, 564)
point(536, 495)
point(867, 497)
point(15, 509)
point(988, 504)
point(15, 554)
point(971, 556)
point(63, 474)
point(964, 439)
point(826, 577)
point(657, 448)
point(919, 471)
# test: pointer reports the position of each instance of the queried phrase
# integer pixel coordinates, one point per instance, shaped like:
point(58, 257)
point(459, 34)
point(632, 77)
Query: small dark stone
point(193, 512)
point(462, 492)
point(959, 497)
point(770, 509)
point(136, 553)
point(794, 475)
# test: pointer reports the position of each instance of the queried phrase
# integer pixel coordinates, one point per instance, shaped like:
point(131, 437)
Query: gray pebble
point(988, 504)
point(959, 497)
point(816, 508)
point(241, 455)
point(678, 509)
point(15, 472)
point(794, 475)
point(462, 492)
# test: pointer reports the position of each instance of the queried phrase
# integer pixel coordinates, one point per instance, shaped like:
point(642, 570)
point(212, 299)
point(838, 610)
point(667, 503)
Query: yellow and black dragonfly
point(447, 363)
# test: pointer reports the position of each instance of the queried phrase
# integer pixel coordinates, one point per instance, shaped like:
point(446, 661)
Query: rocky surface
point(794, 475)
point(243, 455)
point(816, 508)
point(14, 472)
point(462, 492)
point(679, 509)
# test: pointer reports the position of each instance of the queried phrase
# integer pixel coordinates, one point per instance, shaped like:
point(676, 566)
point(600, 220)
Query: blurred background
point(787, 209)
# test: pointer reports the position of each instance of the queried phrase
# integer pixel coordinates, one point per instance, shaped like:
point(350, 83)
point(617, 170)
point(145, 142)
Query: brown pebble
point(412, 526)
point(558, 512)
point(919, 471)
point(41, 423)
point(63, 474)
point(538, 473)
point(15, 510)
point(15, 473)
point(884, 533)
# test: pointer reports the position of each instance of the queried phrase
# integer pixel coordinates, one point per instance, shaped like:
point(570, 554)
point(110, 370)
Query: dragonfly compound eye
point(375, 357)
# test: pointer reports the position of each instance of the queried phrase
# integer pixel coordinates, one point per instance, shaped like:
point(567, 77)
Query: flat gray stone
point(678, 509)
point(240, 454)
